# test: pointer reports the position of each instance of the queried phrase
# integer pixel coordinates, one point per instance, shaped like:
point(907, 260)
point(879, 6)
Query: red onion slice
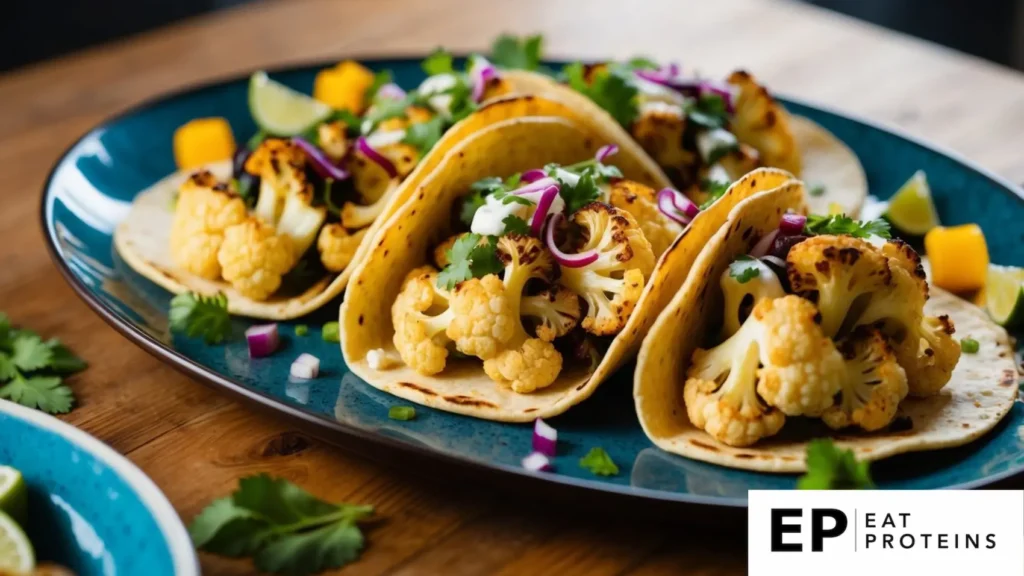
point(568, 260)
point(792, 224)
point(262, 340)
point(537, 462)
point(718, 90)
point(545, 438)
point(679, 208)
point(535, 186)
point(764, 244)
point(547, 198)
point(391, 91)
point(376, 157)
point(320, 162)
point(605, 151)
point(532, 175)
point(481, 75)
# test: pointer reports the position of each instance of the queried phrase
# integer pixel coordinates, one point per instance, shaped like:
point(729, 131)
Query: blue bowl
point(90, 509)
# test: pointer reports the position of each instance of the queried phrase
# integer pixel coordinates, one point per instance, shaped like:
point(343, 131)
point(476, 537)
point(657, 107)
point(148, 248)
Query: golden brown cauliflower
point(763, 123)
point(204, 210)
point(930, 364)
point(483, 320)
point(739, 298)
point(555, 311)
point(333, 140)
point(337, 246)
point(253, 258)
point(420, 315)
point(872, 384)
point(612, 284)
point(534, 365)
point(659, 131)
point(641, 201)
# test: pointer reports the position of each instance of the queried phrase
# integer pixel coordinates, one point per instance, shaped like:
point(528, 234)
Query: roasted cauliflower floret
point(355, 216)
point(641, 201)
point(721, 390)
point(253, 258)
point(281, 166)
point(333, 140)
point(834, 271)
point(483, 319)
point(763, 123)
point(421, 316)
point(802, 368)
point(740, 161)
point(534, 365)
point(556, 312)
point(301, 221)
point(741, 297)
point(872, 384)
point(929, 365)
point(659, 131)
point(613, 283)
point(204, 210)
point(337, 246)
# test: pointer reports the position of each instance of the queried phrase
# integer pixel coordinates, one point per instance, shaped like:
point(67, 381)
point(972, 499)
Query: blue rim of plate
point(213, 379)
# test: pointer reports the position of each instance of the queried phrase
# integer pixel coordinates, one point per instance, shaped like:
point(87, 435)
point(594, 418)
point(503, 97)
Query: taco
point(279, 230)
point(790, 328)
point(525, 269)
point(705, 134)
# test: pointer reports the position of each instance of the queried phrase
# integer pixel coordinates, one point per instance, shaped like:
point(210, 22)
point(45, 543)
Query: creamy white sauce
point(490, 218)
point(708, 141)
point(718, 173)
point(380, 139)
point(569, 178)
point(654, 92)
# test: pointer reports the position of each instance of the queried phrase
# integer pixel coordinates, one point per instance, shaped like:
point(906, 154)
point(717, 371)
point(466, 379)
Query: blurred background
point(33, 30)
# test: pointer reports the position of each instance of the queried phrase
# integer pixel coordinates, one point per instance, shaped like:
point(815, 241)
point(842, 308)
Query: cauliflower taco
point(791, 327)
point(279, 228)
point(523, 271)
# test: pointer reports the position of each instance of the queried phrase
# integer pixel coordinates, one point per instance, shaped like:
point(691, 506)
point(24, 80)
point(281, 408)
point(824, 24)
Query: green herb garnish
point(331, 332)
point(440, 62)
point(256, 139)
point(424, 135)
point(285, 529)
point(301, 330)
point(610, 88)
point(839, 224)
point(642, 63)
point(31, 370)
point(715, 189)
point(516, 225)
point(708, 111)
point(379, 79)
point(401, 413)
point(518, 53)
point(831, 468)
point(196, 315)
point(469, 258)
point(969, 345)
point(599, 462)
point(744, 269)
point(578, 195)
point(817, 190)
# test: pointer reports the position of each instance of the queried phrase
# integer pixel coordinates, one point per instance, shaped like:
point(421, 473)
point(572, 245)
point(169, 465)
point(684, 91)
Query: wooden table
point(195, 443)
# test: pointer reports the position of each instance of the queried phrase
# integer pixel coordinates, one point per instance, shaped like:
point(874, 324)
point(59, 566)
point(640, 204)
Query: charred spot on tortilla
point(469, 401)
point(745, 456)
point(703, 445)
point(747, 232)
point(901, 424)
point(360, 319)
point(420, 389)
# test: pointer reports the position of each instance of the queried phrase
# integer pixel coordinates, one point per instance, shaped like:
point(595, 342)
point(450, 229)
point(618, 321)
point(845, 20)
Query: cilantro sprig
point(580, 191)
point(709, 111)
point(599, 462)
point(831, 468)
point(469, 258)
point(196, 315)
point(839, 224)
point(611, 87)
point(524, 53)
point(480, 190)
point(31, 370)
point(715, 190)
point(285, 529)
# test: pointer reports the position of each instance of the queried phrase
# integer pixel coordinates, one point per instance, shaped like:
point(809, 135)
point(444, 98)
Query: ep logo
point(824, 523)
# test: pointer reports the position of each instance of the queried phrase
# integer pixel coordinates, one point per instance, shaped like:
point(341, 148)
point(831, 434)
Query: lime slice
point(911, 209)
point(281, 111)
point(1004, 295)
point(16, 554)
point(13, 494)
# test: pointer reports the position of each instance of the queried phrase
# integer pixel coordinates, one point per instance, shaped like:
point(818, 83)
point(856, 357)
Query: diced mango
point(202, 141)
point(344, 86)
point(959, 257)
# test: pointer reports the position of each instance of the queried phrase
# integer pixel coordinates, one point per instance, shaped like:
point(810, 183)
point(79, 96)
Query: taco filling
point(825, 320)
point(549, 267)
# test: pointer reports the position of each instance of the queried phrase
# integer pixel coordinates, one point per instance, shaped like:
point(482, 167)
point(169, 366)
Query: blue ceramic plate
point(90, 189)
point(90, 509)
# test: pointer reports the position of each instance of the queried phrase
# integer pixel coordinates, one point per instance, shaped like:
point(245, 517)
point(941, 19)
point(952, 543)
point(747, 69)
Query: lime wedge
point(16, 554)
point(911, 209)
point(13, 494)
point(281, 111)
point(1004, 295)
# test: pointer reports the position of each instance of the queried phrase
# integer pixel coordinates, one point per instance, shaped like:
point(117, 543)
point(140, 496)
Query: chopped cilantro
point(708, 111)
point(382, 111)
point(423, 135)
point(510, 51)
point(31, 370)
point(348, 118)
point(516, 225)
point(744, 269)
point(642, 63)
point(715, 189)
point(197, 315)
point(379, 79)
point(285, 529)
point(611, 88)
point(817, 190)
point(481, 189)
point(401, 413)
point(578, 195)
point(969, 345)
point(841, 224)
point(830, 468)
point(440, 62)
point(256, 139)
point(301, 330)
point(469, 258)
point(470, 204)
point(599, 462)
point(508, 198)
point(331, 332)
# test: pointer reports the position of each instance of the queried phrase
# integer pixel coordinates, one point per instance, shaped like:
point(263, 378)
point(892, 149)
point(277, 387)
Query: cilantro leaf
point(510, 51)
point(715, 189)
point(46, 393)
point(196, 315)
point(423, 135)
point(285, 528)
point(579, 194)
point(744, 269)
point(642, 63)
point(62, 361)
point(5, 329)
point(470, 204)
point(610, 88)
point(830, 468)
point(817, 190)
point(379, 79)
point(841, 224)
point(516, 225)
point(7, 368)
point(599, 462)
point(507, 198)
point(30, 353)
point(440, 62)
point(708, 111)
point(469, 258)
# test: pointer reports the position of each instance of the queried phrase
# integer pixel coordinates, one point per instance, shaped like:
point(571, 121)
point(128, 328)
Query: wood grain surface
point(195, 443)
